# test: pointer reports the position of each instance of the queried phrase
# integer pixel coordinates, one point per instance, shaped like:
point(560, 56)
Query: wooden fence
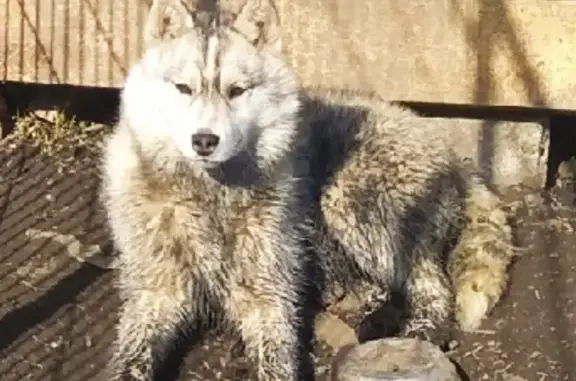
point(483, 52)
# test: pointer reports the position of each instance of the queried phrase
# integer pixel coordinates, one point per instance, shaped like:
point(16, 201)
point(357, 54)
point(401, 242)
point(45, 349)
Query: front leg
point(150, 321)
point(270, 334)
point(265, 302)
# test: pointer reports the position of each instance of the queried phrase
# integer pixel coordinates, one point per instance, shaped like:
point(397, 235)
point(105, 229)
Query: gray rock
point(393, 359)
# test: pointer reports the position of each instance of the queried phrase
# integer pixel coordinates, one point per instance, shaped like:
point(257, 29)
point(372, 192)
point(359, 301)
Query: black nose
point(204, 143)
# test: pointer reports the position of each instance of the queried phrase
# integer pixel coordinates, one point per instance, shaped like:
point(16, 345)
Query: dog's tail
point(480, 261)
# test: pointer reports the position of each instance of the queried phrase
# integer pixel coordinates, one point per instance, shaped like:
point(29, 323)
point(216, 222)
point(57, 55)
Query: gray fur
point(375, 189)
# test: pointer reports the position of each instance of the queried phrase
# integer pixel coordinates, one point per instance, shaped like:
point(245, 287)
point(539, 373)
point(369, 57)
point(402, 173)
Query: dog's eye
point(235, 91)
point(183, 88)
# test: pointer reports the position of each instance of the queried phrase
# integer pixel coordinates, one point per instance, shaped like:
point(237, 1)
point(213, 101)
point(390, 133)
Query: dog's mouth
point(207, 163)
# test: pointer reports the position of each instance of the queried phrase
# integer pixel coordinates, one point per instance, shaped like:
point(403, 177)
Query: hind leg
point(423, 307)
point(409, 297)
point(429, 302)
point(407, 294)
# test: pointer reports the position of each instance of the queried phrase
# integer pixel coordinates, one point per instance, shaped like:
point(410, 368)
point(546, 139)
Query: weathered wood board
point(488, 52)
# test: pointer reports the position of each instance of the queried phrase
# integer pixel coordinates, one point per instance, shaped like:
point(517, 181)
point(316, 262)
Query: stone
point(393, 359)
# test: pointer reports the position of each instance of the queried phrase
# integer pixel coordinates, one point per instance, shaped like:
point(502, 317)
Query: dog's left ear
point(259, 22)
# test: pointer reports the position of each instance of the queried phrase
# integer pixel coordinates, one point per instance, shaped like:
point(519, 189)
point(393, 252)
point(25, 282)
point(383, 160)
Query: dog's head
point(211, 85)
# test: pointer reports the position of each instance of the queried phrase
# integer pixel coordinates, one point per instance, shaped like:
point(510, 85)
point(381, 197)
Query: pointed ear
point(168, 19)
point(259, 22)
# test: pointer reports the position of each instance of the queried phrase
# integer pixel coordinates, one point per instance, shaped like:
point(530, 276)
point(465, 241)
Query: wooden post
point(393, 359)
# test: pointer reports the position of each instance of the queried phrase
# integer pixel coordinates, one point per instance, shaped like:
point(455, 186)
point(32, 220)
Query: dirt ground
point(58, 305)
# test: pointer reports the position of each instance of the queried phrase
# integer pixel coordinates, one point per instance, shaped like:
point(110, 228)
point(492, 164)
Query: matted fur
point(376, 190)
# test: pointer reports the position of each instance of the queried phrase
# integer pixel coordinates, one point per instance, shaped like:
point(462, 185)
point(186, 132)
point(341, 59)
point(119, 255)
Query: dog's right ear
point(168, 19)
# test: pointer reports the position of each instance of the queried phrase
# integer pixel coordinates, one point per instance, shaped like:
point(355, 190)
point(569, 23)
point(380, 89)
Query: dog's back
point(395, 200)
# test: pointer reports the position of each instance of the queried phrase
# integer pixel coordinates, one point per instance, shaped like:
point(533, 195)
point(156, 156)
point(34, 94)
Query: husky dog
point(221, 174)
